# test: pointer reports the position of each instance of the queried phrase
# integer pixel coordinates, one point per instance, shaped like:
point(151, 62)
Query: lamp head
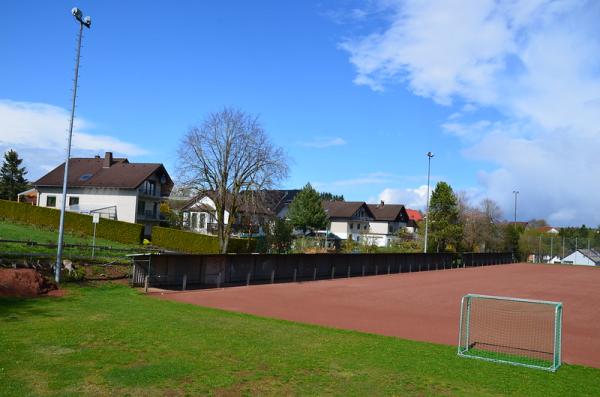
point(429, 154)
point(76, 13)
point(87, 21)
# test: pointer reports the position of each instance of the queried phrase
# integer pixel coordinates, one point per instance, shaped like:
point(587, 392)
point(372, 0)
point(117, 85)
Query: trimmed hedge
point(124, 232)
point(194, 243)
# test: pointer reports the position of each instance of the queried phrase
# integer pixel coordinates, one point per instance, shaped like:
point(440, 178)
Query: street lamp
point(429, 156)
point(515, 192)
point(87, 22)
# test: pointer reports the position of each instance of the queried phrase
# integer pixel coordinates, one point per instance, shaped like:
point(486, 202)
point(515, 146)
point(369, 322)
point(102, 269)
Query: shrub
point(124, 232)
point(194, 243)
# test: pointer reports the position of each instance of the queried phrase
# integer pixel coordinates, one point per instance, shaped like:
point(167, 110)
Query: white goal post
point(523, 332)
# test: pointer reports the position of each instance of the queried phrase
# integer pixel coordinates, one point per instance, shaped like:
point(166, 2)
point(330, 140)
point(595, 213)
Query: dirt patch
point(24, 283)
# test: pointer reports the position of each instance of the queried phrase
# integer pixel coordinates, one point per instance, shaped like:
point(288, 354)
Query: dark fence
point(180, 271)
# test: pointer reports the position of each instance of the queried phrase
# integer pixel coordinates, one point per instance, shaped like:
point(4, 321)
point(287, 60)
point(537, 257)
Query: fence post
point(295, 273)
point(332, 272)
point(146, 283)
point(376, 269)
point(219, 280)
point(248, 279)
point(363, 270)
point(348, 271)
point(389, 268)
point(272, 276)
point(314, 273)
point(184, 284)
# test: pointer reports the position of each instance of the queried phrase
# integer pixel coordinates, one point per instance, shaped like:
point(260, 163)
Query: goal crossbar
point(524, 332)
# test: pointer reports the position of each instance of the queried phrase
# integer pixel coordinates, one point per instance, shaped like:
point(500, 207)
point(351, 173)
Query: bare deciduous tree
point(230, 158)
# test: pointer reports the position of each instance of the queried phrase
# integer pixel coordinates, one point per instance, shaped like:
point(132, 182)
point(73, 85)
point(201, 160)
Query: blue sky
point(356, 92)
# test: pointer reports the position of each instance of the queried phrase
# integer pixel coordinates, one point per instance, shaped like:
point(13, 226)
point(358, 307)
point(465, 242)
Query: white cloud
point(414, 198)
point(323, 142)
point(535, 62)
point(38, 132)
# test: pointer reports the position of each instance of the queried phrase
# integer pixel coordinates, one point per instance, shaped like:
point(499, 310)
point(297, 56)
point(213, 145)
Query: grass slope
point(111, 339)
point(15, 231)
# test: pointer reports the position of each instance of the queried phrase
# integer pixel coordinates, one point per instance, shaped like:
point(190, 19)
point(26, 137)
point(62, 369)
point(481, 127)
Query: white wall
point(93, 198)
point(340, 229)
point(577, 258)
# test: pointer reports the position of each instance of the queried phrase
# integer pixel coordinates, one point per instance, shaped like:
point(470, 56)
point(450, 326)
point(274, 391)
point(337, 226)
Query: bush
point(194, 243)
point(124, 232)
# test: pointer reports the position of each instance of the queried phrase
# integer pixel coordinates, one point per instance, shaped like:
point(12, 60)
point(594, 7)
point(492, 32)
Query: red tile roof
point(414, 215)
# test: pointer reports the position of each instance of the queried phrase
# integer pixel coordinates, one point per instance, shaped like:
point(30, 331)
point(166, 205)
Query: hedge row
point(124, 232)
point(194, 243)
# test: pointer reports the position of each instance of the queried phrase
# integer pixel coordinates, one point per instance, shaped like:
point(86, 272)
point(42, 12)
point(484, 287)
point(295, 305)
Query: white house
point(586, 257)
point(374, 224)
point(199, 214)
point(113, 187)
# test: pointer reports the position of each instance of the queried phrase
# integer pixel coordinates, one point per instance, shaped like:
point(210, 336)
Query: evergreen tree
point(326, 196)
point(445, 229)
point(512, 234)
point(279, 237)
point(12, 176)
point(306, 210)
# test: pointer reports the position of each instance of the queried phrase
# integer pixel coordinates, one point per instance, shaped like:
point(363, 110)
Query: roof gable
point(389, 212)
point(347, 210)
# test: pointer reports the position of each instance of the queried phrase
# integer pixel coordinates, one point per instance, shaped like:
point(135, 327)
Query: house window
point(194, 221)
point(352, 226)
point(50, 201)
point(141, 207)
point(202, 220)
point(73, 201)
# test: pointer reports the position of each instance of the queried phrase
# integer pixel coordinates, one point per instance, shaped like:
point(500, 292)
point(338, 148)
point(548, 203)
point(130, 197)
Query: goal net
point(509, 330)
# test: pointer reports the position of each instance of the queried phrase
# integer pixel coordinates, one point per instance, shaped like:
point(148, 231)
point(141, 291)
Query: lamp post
point(515, 192)
point(87, 22)
point(429, 156)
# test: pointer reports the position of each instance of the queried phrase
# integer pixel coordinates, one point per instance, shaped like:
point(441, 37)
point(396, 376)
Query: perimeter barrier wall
point(182, 271)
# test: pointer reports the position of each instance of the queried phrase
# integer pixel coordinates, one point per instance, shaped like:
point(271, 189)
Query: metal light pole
point(87, 22)
point(429, 156)
point(515, 192)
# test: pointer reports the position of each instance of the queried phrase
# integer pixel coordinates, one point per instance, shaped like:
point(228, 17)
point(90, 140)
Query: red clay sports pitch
point(422, 306)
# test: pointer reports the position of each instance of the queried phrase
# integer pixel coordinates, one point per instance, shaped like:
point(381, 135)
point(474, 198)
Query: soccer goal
point(509, 330)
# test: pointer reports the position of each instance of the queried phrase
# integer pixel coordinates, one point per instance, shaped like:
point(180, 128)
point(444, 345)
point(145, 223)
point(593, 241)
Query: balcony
point(149, 193)
point(148, 215)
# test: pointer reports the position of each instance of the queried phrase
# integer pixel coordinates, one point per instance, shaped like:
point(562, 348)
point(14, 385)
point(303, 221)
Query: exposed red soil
point(23, 283)
point(423, 306)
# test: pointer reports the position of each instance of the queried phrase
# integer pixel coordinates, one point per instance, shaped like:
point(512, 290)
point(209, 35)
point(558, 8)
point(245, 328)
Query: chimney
point(96, 156)
point(381, 203)
point(108, 160)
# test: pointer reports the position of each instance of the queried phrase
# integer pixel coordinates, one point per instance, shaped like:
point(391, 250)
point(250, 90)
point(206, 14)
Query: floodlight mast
point(429, 156)
point(87, 22)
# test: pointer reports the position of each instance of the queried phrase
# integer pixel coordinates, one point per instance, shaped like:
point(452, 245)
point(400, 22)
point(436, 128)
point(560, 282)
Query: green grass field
point(14, 231)
point(110, 339)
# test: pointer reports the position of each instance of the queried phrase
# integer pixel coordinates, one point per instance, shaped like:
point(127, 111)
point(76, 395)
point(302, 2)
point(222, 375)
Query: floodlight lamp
point(76, 13)
point(429, 154)
point(87, 21)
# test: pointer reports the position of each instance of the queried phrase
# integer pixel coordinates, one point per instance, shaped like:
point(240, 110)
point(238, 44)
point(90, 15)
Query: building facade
point(112, 187)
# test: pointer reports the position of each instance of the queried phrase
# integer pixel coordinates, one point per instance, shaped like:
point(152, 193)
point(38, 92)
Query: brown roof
point(389, 212)
point(266, 202)
point(344, 209)
point(90, 172)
